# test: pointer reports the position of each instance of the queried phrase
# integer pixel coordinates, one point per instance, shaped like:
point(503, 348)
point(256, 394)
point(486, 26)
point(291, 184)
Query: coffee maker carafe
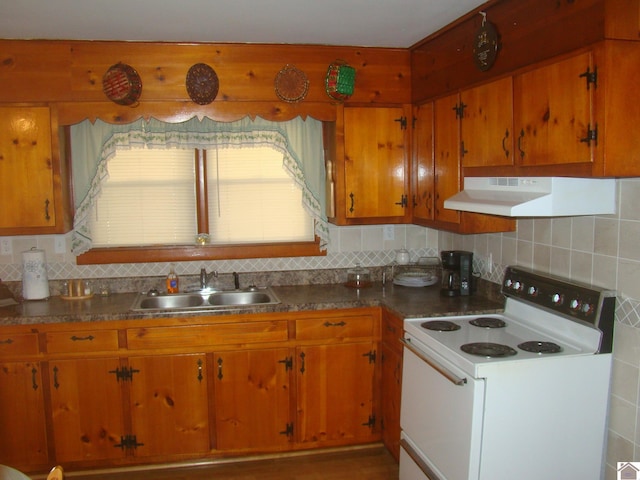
point(457, 270)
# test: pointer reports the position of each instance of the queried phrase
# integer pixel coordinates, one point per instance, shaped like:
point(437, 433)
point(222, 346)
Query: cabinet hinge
point(403, 122)
point(592, 136)
point(288, 431)
point(371, 422)
point(128, 442)
point(288, 363)
point(591, 77)
point(371, 355)
point(459, 109)
point(124, 374)
point(463, 151)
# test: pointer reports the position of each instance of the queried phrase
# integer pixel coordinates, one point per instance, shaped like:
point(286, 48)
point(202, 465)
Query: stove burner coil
point(440, 325)
point(540, 347)
point(488, 350)
point(488, 322)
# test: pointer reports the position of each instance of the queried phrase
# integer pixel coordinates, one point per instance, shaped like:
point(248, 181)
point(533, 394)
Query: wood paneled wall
point(529, 31)
point(70, 72)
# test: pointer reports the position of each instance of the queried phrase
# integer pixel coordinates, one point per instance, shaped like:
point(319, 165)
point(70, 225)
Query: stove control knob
point(557, 299)
point(575, 305)
point(518, 286)
point(508, 282)
point(587, 308)
point(533, 291)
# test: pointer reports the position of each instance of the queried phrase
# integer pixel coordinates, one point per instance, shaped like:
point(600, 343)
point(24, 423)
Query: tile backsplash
point(603, 250)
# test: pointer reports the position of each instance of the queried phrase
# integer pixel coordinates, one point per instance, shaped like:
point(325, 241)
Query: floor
point(372, 463)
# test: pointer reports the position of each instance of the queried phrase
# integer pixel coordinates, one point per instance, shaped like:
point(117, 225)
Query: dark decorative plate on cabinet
point(291, 84)
point(202, 83)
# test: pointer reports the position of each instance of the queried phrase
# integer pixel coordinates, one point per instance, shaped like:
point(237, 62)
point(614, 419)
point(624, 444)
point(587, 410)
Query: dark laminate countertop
point(403, 301)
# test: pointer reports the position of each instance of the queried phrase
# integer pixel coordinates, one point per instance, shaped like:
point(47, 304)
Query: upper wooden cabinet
point(371, 176)
point(30, 175)
point(553, 113)
point(486, 125)
point(437, 157)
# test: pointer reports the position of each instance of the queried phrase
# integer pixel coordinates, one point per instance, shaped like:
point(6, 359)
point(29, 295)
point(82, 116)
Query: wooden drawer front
point(335, 327)
point(18, 344)
point(82, 341)
point(206, 335)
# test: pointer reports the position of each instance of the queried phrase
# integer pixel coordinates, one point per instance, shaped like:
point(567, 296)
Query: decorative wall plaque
point(485, 45)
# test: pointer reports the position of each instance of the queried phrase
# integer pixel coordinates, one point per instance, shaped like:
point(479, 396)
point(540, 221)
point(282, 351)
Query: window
point(145, 190)
point(151, 198)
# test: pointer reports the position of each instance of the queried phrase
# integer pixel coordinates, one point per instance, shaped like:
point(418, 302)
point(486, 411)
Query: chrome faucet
point(205, 277)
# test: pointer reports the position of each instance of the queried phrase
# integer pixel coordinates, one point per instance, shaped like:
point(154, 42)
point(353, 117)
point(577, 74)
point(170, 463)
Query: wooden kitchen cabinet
point(336, 381)
point(553, 107)
point(391, 348)
point(252, 398)
point(30, 173)
point(110, 408)
point(487, 124)
point(23, 442)
point(376, 149)
point(437, 133)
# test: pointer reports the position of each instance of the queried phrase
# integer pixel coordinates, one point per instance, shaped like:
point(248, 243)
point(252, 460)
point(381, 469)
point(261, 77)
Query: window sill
point(180, 253)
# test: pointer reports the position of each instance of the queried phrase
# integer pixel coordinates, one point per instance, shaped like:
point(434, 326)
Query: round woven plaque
point(202, 83)
point(291, 84)
point(121, 84)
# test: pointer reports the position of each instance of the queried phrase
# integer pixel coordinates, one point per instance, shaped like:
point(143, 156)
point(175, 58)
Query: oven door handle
point(445, 372)
point(430, 474)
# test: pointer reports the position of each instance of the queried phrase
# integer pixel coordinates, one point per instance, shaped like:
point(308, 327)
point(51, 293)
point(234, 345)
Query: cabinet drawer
point(82, 341)
point(18, 344)
point(335, 327)
point(206, 335)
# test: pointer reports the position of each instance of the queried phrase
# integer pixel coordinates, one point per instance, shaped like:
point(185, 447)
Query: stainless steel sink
point(205, 300)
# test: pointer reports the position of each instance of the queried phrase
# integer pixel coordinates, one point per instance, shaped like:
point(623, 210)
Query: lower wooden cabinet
point(335, 392)
point(391, 384)
point(132, 392)
point(252, 398)
point(23, 442)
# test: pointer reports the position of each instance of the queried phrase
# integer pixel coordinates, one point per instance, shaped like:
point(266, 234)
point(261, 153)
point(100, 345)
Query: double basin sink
point(205, 300)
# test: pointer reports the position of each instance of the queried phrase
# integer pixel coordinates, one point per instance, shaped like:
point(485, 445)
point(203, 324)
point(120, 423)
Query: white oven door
point(440, 416)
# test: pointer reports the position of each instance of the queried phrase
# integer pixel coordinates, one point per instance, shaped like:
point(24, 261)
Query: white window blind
point(148, 199)
point(252, 199)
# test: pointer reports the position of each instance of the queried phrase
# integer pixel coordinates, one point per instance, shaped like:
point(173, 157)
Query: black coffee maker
point(457, 270)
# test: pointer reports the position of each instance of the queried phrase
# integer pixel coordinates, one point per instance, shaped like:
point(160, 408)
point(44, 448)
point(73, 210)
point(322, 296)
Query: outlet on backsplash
point(6, 247)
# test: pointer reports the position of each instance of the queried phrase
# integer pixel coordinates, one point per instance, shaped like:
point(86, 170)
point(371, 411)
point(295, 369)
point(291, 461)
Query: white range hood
point(536, 196)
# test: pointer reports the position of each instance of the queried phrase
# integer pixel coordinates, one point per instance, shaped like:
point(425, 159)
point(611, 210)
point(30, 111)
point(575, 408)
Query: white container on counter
point(35, 283)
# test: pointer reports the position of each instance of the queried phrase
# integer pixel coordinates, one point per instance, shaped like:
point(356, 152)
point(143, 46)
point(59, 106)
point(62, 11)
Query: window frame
point(172, 253)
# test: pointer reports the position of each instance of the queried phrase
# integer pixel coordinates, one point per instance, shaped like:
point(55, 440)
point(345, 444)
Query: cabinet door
point(447, 160)
point(252, 399)
point(391, 381)
point(375, 162)
point(23, 442)
point(26, 171)
point(552, 109)
point(335, 385)
point(422, 165)
point(87, 409)
point(487, 124)
point(169, 407)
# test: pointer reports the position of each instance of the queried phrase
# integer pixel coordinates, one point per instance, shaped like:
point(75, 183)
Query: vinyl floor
point(374, 463)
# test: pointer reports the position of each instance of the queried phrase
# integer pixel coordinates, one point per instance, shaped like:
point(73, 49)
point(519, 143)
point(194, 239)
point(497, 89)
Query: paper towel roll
point(35, 284)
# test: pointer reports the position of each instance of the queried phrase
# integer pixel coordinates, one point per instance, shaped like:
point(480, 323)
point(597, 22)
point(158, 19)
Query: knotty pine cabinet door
point(252, 398)
point(23, 441)
point(423, 174)
point(553, 113)
point(169, 404)
point(87, 409)
point(335, 394)
point(446, 158)
point(487, 124)
point(392, 332)
point(26, 168)
point(376, 162)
